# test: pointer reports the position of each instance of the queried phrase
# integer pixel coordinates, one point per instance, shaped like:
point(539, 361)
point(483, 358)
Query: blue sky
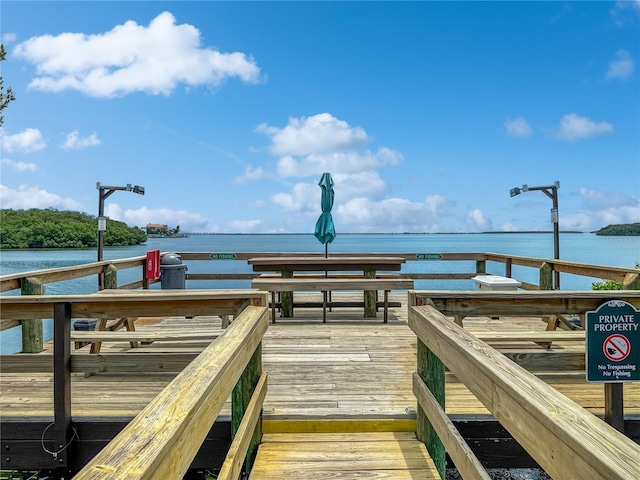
point(425, 113)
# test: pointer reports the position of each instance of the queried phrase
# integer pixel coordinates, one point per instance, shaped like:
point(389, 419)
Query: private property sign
point(613, 343)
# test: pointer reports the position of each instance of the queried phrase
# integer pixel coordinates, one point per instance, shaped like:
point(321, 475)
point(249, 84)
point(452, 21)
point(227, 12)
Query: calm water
point(578, 247)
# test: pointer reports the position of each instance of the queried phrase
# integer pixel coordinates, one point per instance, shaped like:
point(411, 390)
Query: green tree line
point(626, 229)
point(50, 228)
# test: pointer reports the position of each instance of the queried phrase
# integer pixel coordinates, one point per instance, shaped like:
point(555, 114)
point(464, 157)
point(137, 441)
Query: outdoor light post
point(105, 192)
point(550, 191)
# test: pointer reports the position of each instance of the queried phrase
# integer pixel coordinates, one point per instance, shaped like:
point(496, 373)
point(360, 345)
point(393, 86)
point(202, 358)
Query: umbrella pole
point(325, 294)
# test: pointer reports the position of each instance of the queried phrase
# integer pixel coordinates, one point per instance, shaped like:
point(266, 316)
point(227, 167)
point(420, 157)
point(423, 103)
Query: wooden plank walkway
point(349, 379)
point(342, 456)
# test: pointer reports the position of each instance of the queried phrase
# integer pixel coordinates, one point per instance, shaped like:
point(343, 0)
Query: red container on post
point(152, 268)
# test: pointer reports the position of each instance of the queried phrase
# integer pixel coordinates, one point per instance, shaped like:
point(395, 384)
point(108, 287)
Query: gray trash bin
point(173, 273)
point(85, 324)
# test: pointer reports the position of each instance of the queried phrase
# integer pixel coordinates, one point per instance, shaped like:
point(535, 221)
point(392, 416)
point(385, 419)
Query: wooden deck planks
point(343, 456)
point(350, 366)
point(349, 375)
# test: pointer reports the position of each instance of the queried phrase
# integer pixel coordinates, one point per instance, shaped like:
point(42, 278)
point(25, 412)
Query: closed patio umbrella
point(325, 231)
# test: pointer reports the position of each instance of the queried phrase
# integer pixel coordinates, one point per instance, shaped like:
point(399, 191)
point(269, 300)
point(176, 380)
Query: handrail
point(565, 439)
point(162, 440)
point(516, 303)
point(12, 281)
point(33, 282)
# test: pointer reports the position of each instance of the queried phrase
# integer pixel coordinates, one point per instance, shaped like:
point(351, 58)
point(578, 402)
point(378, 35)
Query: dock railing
point(163, 439)
point(566, 440)
point(33, 283)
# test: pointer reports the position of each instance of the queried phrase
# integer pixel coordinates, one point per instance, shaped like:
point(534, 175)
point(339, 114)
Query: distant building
point(157, 229)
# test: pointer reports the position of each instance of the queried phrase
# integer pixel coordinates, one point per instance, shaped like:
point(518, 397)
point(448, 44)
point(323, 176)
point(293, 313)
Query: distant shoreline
point(181, 235)
point(400, 233)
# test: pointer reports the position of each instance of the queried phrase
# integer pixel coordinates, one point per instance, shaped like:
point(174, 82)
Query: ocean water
point(578, 247)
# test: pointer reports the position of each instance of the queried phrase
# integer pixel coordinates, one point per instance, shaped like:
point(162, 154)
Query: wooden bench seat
point(321, 284)
point(532, 336)
point(143, 336)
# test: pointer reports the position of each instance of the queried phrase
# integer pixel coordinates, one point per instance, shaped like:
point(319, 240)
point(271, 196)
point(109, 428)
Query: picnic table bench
point(287, 267)
point(275, 284)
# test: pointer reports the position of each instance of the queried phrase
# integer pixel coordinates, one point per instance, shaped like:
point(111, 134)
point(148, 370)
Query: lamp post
point(550, 191)
point(104, 192)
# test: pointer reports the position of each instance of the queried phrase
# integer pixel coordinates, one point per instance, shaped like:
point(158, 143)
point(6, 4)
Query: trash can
point(85, 324)
point(173, 273)
point(496, 282)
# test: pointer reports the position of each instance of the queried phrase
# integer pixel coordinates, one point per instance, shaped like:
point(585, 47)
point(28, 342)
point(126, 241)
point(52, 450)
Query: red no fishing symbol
point(616, 347)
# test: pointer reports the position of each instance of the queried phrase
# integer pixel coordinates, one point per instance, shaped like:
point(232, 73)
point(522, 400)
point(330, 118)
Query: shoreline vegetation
point(50, 228)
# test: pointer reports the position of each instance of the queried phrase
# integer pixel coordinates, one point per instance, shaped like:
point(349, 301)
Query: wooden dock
point(340, 402)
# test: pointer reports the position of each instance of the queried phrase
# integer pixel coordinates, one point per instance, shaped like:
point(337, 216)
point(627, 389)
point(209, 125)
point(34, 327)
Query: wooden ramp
point(381, 455)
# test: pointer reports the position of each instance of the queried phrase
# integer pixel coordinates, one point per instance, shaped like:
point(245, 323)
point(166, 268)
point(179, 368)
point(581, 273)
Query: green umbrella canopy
point(325, 232)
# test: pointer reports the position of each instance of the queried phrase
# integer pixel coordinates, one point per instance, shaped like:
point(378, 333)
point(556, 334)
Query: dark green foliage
point(606, 285)
point(51, 228)
point(627, 229)
point(7, 96)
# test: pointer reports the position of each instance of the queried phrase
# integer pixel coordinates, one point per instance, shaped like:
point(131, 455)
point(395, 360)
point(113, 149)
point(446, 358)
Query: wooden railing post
point(631, 281)
point(481, 266)
point(110, 282)
point(370, 297)
point(546, 276)
point(431, 371)
point(287, 298)
point(508, 267)
point(241, 397)
point(32, 336)
point(110, 277)
point(62, 383)
point(145, 280)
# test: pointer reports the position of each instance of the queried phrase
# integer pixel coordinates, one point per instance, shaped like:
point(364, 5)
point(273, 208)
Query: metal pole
point(101, 198)
point(556, 235)
point(550, 191)
point(103, 193)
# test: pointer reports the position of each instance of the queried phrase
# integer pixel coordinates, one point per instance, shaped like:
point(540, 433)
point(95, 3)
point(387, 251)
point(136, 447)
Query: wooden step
point(381, 455)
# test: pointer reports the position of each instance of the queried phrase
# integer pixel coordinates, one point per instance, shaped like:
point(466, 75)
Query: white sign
point(102, 224)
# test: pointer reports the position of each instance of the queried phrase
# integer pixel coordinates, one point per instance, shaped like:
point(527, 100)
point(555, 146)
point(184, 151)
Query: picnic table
point(288, 266)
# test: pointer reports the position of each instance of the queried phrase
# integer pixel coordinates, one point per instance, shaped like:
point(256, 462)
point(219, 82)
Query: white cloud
point(625, 11)
point(309, 146)
point(74, 142)
point(621, 67)
point(574, 127)
point(392, 215)
point(28, 141)
point(303, 196)
point(321, 143)
point(33, 197)
point(8, 38)
point(132, 58)
point(245, 226)
point(365, 183)
point(518, 127)
point(18, 166)
point(188, 222)
point(322, 133)
point(600, 209)
point(477, 221)
point(250, 175)
point(344, 162)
